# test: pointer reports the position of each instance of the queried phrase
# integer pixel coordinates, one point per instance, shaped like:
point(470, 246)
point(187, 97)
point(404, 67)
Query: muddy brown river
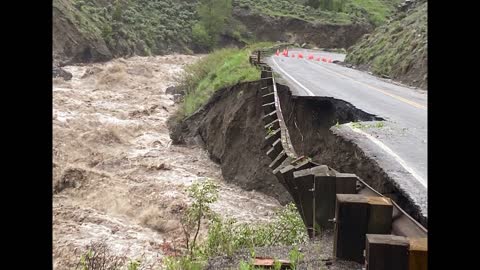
point(117, 178)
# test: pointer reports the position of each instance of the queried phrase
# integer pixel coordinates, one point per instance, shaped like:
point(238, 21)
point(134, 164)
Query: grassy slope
point(149, 26)
point(351, 11)
point(398, 50)
point(219, 69)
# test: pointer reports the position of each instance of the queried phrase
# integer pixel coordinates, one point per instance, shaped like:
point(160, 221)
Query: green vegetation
point(98, 257)
point(295, 257)
point(397, 50)
point(359, 125)
point(213, 16)
point(226, 236)
point(222, 68)
point(127, 26)
point(327, 11)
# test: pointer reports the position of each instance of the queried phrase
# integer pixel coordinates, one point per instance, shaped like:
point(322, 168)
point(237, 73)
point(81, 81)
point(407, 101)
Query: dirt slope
point(231, 129)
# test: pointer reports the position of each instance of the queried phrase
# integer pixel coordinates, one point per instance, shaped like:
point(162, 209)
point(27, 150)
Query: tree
point(213, 15)
point(202, 194)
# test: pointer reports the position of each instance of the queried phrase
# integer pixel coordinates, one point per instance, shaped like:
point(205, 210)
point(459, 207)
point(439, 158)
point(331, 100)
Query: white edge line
point(389, 151)
point(293, 79)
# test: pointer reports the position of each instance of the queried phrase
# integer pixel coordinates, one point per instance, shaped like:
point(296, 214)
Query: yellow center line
point(379, 90)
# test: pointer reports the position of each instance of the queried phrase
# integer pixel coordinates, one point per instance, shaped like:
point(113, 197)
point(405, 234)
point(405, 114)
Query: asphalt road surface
point(399, 144)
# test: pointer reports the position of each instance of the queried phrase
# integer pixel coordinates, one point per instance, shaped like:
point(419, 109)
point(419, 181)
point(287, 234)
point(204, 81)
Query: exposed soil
point(231, 129)
point(116, 175)
point(286, 29)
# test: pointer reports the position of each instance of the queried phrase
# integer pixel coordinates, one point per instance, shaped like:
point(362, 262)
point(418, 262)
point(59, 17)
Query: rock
point(60, 72)
point(171, 90)
point(175, 90)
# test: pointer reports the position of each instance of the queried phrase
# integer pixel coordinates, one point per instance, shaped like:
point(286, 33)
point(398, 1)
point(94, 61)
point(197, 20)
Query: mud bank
point(230, 127)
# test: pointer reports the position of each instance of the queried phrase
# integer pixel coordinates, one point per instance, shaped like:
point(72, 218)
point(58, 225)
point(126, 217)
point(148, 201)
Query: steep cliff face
point(397, 50)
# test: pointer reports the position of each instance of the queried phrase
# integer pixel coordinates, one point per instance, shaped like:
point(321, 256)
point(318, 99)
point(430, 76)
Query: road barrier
point(285, 53)
point(368, 227)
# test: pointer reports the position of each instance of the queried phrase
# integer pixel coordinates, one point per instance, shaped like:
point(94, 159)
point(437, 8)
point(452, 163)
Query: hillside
point(397, 50)
point(374, 12)
point(98, 30)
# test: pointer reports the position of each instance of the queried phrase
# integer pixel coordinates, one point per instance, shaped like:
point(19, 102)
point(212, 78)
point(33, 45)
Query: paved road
point(400, 145)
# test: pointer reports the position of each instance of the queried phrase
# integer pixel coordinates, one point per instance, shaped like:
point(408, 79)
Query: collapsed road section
point(398, 144)
point(363, 218)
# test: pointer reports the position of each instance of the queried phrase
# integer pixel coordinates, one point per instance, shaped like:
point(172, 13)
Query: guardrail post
point(287, 173)
point(386, 252)
point(418, 251)
point(326, 188)
point(355, 216)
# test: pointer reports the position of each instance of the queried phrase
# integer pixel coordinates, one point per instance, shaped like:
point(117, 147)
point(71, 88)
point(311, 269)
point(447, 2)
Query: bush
point(98, 257)
point(201, 37)
point(225, 236)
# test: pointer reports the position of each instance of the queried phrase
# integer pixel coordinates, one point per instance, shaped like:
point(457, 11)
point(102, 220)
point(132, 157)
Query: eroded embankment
point(231, 128)
point(310, 121)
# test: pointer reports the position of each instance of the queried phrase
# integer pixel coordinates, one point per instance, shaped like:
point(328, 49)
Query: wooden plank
point(304, 188)
point(351, 214)
point(276, 149)
point(346, 183)
point(386, 252)
point(278, 160)
point(270, 117)
point(273, 125)
point(325, 196)
point(418, 254)
point(356, 215)
point(380, 215)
